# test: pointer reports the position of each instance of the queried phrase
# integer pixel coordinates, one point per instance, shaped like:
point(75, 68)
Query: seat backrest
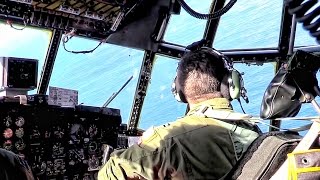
point(264, 156)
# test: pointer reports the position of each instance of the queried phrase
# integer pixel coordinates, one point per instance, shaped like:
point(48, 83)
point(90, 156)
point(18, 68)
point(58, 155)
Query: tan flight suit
point(193, 147)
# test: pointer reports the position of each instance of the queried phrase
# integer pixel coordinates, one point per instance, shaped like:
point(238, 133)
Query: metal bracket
point(49, 62)
point(143, 83)
point(285, 32)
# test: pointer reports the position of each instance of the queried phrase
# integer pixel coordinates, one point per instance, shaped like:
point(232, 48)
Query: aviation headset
point(234, 78)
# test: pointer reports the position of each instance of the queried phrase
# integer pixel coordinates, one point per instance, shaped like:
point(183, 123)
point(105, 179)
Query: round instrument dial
point(20, 121)
point(86, 177)
point(20, 145)
point(47, 134)
point(93, 147)
point(7, 121)
point(93, 162)
point(7, 133)
point(20, 132)
point(57, 149)
point(35, 134)
point(58, 132)
point(93, 130)
point(7, 145)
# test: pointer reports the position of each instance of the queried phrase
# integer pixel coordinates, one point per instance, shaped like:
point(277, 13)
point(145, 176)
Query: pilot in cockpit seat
point(13, 167)
point(200, 145)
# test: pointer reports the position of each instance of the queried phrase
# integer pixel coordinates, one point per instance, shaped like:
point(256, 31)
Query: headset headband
point(228, 64)
point(195, 47)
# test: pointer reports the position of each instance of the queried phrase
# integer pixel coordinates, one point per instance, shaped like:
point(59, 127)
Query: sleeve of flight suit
point(12, 167)
point(144, 160)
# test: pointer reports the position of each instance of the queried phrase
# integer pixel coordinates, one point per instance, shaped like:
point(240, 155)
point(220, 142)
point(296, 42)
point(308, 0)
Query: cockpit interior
point(81, 76)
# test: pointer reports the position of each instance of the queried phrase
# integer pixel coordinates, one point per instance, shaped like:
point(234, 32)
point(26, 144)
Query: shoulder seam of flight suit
point(155, 152)
point(173, 136)
point(203, 126)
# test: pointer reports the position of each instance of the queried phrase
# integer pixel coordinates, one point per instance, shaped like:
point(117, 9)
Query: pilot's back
point(199, 148)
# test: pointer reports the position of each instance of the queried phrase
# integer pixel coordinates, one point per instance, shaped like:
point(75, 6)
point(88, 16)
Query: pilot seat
point(285, 154)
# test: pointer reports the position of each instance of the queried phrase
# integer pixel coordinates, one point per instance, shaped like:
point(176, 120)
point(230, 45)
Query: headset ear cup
point(234, 84)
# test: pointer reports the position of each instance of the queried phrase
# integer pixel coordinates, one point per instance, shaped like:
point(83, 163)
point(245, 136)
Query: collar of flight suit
point(216, 103)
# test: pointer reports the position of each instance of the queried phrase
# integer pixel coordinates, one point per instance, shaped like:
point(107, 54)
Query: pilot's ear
point(224, 87)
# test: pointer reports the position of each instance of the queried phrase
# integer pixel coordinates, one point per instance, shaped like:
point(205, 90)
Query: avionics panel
point(59, 143)
point(89, 17)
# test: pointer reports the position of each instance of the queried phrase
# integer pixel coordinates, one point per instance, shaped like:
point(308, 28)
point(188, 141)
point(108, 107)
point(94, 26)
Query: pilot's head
point(201, 75)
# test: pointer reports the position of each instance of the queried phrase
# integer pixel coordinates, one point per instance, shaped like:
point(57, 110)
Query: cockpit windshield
point(100, 74)
point(20, 41)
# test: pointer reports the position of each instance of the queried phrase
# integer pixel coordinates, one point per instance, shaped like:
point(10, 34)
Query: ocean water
point(249, 24)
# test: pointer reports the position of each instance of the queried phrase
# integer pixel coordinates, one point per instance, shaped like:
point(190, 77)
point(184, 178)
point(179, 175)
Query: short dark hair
point(201, 73)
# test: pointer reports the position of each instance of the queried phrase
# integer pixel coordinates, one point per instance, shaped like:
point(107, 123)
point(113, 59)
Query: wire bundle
point(215, 15)
point(306, 13)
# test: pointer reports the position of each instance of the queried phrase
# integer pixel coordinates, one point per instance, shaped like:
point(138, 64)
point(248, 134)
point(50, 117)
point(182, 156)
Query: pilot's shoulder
point(149, 133)
point(150, 138)
point(155, 134)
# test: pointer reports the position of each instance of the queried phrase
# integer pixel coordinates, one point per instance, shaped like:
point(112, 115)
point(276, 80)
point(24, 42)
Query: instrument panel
point(57, 142)
point(93, 18)
point(112, 21)
point(92, 9)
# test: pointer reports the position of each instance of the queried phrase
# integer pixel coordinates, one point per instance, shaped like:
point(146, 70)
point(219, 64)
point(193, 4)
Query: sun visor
point(143, 28)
